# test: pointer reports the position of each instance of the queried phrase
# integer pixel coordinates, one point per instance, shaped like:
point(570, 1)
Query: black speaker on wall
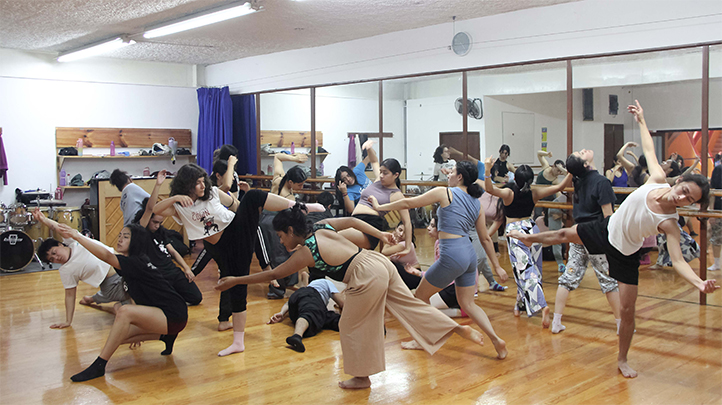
point(588, 104)
point(613, 104)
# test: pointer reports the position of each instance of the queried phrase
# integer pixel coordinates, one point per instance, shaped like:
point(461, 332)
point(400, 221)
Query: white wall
point(30, 109)
point(578, 28)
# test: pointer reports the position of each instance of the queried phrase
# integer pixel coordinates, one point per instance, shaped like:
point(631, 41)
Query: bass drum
point(69, 216)
point(16, 251)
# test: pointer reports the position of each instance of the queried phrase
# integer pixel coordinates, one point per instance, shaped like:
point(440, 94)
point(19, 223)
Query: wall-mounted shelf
point(75, 187)
point(283, 139)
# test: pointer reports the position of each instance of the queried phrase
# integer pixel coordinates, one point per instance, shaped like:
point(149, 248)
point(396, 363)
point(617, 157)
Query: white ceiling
point(58, 26)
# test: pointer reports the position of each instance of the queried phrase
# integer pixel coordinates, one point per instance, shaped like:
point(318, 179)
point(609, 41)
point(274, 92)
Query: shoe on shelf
point(266, 149)
point(562, 268)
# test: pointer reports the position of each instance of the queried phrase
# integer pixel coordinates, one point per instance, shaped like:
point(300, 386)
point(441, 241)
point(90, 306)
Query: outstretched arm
point(148, 213)
point(539, 193)
point(96, 248)
point(437, 194)
point(656, 173)
point(300, 259)
point(670, 228)
point(350, 222)
point(279, 171)
point(39, 217)
point(166, 207)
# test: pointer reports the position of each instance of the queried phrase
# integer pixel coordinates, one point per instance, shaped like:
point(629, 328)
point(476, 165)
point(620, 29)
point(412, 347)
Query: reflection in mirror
point(524, 108)
point(342, 114)
point(423, 110)
point(285, 127)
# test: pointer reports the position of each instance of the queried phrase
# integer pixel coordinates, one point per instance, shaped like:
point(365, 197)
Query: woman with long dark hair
point(386, 188)
point(160, 313)
point(350, 183)
point(373, 286)
point(459, 211)
point(443, 164)
point(228, 229)
point(516, 202)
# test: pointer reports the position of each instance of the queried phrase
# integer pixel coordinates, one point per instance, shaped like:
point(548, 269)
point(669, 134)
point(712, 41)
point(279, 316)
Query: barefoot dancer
point(459, 212)
point(373, 285)
point(517, 200)
point(228, 229)
point(161, 312)
point(647, 211)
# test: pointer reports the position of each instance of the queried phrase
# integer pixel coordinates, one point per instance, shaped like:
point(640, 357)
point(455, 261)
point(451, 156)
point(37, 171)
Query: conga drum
point(69, 216)
point(16, 251)
point(37, 231)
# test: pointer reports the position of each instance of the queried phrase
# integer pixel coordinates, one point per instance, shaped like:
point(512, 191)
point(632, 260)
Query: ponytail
point(469, 173)
point(394, 167)
point(295, 174)
point(294, 217)
point(523, 177)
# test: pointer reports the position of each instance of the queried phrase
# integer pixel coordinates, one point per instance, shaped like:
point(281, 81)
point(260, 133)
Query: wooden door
point(456, 141)
point(613, 141)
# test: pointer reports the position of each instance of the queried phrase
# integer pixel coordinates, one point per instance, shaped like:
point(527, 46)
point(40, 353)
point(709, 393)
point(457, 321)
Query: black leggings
point(233, 252)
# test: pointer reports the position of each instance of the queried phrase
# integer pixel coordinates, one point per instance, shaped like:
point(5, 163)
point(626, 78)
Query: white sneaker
point(266, 149)
point(713, 268)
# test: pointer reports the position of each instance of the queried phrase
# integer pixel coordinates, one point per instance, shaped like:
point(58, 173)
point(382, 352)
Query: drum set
point(21, 234)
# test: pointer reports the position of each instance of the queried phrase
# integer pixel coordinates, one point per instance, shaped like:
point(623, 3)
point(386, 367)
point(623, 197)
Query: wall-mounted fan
point(473, 106)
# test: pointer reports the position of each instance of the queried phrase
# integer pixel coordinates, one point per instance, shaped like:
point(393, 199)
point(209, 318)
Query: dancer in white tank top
point(649, 210)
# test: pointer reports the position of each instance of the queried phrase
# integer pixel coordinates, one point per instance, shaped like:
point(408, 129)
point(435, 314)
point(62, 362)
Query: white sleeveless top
point(634, 220)
point(204, 218)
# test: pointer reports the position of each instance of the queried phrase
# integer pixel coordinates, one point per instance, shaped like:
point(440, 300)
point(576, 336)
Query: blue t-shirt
point(482, 170)
point(354, 192)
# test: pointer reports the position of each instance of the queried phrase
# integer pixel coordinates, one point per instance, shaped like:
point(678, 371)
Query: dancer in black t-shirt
point(160, 313)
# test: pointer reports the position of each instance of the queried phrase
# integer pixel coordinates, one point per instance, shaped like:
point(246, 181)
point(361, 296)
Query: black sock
point(296, 343)
point(97, 369)
point(168, 340)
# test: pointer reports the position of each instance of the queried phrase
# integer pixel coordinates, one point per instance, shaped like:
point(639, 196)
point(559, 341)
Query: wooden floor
point(677, 349)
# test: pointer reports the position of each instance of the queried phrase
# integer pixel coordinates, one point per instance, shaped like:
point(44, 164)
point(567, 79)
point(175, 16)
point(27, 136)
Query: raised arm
point(670, 228)
point(348, 205)
point(656, 173)
point(506, 194)
point(372, 158)
point(39, 217)
point(96, 248)
point(148, 213)
point(539, 193)
point(435, 195)
point(279, 171)
point(541, 155)
point(628, 166)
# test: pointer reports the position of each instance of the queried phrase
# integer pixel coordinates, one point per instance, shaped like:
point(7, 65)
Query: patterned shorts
point(715, 231)
point(579, 258)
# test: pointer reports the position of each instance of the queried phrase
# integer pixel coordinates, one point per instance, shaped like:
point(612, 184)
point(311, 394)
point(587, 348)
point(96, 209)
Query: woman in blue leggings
point(459, 212)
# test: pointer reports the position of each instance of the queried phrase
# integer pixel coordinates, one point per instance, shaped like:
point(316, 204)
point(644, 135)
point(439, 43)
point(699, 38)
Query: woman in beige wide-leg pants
point(373, 285)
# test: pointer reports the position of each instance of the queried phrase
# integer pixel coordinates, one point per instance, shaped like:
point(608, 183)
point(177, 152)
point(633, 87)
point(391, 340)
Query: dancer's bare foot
point(522, 237)
point(516, 312)
point(546, 320)
point(501, 351)
point(411, 345)
point(355, 383)
point(469, 333)
point(236, 347)
point(627, 371)
point(225, 326)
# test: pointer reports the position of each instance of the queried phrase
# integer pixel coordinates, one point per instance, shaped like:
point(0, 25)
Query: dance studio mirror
point(669, 87)
point(422, 110)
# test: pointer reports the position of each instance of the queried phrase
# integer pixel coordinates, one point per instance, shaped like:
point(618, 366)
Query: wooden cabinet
point(110, 217)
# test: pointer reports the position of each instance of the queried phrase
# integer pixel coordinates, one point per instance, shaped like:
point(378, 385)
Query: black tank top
point(522, 206)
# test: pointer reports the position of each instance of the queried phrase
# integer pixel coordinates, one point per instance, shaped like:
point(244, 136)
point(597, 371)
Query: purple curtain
point(215, 123)
point(352, 151)
point(244, 132)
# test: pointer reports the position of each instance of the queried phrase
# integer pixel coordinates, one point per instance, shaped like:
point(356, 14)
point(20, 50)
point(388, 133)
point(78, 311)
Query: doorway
point(613, 141)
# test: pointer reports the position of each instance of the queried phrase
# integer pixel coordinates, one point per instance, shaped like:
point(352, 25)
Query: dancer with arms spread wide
point(649, 210)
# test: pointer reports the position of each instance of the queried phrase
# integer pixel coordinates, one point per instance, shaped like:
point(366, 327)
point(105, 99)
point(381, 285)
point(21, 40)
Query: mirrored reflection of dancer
point(647, 211)
point(373, 286)
point(517, 200)
point(460, 210)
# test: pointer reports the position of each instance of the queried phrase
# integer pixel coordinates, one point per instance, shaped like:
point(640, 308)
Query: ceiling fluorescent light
point(94, 50)
point(202, 20)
